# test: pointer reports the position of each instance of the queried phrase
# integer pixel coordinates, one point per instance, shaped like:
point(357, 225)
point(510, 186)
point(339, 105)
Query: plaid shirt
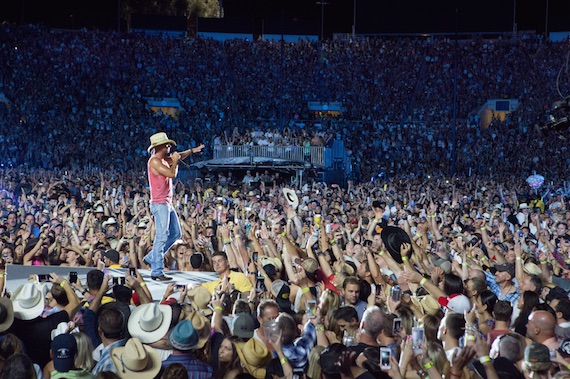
point(511, 297)
point(298, 352)
point(106, 362)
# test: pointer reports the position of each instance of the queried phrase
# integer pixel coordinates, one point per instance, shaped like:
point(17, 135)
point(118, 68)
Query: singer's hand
point(175, 156)
point(198, 149)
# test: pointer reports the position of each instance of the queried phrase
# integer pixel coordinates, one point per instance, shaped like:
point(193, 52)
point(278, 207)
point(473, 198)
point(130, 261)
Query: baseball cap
point(310, 265)
point(112, 254)
point(64, 349)
point(281, 291)
point(455, 303)
point(243, 325)
point(536, 352)
point(508, 267)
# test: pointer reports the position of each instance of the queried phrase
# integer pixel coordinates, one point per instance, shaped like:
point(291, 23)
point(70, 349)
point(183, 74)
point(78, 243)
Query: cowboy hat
point(158, 139)
point(200, 324)
point(110, 221)
point(200, 299)
point(28, 301)
point(6, 313)
point(136, 360)
point(150, 322)
point(393, 237)
point(253, 355)
point(183, 337)
point(291, 198)
point(430, 305)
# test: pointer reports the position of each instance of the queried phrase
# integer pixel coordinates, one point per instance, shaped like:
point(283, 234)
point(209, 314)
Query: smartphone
point(311, 309)
point(254, 257)
point(396, 326)
point(385, 354)
point(119, 281)
point(43, 277)
point(73, 277)
point(179, 287)
point(417, 339)
point(396, 293)
point(133, 272)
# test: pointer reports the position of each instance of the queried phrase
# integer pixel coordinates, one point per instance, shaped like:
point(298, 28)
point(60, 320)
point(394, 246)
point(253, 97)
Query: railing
point(310, 154)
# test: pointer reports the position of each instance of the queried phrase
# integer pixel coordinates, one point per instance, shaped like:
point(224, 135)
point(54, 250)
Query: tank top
point(160, 186)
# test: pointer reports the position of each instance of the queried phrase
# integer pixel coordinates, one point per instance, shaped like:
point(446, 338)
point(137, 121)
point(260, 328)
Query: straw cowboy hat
point(200, 324)
point(135, 360)
point(254, 356)
point(200, 299)
point(28, 301)
point(150, 322)
point(158, 139)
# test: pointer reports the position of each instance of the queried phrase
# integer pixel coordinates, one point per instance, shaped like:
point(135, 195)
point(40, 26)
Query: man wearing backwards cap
point(162, 168)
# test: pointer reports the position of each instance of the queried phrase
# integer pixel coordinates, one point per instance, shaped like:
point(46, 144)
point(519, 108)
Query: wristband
point(143, 284)
point(568, 367)
point(422, 282)
point(470, 338)
point(429, 365)
point(518, 258)
point(2, 275)
point(283, 234)
point(381, 252)
point(63, 283)
point(483, 228)
point(265, 276)
point(283, 360)
point(542, 262)
point(404, 259)
point(305, 290)
point(218, 308)
point(484, 359)
point(320, 328)
point(227, 240)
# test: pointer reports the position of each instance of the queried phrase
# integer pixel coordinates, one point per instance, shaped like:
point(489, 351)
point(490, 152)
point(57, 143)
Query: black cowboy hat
point(393, 237)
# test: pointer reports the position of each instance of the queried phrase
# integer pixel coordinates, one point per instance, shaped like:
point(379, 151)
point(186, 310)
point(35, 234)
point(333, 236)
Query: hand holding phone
point(73, 277)
point(179, 287)
point(133, 272)
point(385, 355)
point(396, 293)
point(312, 309)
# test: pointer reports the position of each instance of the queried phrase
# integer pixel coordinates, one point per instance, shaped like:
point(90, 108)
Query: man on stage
point(162, 168)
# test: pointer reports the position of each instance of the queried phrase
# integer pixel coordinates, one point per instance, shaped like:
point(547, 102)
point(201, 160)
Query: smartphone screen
point(417, 339)
point(73, 277)
point(385, 358)
point(396, 293)
point(311, 308)
point(179, 287)
point(133, 272)
point(396, 325)
point(43, 277)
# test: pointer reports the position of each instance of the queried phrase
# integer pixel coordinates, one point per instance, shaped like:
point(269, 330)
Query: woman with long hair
point(526, 304)
point(484, 305)
point(229, 365)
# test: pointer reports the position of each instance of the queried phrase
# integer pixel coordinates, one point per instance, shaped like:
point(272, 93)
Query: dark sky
point(373, 16)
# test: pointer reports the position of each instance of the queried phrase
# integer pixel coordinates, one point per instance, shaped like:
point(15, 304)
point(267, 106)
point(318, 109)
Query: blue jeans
point(167, 232)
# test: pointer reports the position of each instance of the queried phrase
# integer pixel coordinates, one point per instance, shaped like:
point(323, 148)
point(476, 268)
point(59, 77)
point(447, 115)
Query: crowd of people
point(411, 275)
point(400, 279)
point(68, 92)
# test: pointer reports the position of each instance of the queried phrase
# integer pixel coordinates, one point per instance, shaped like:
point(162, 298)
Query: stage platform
point(17, 275)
